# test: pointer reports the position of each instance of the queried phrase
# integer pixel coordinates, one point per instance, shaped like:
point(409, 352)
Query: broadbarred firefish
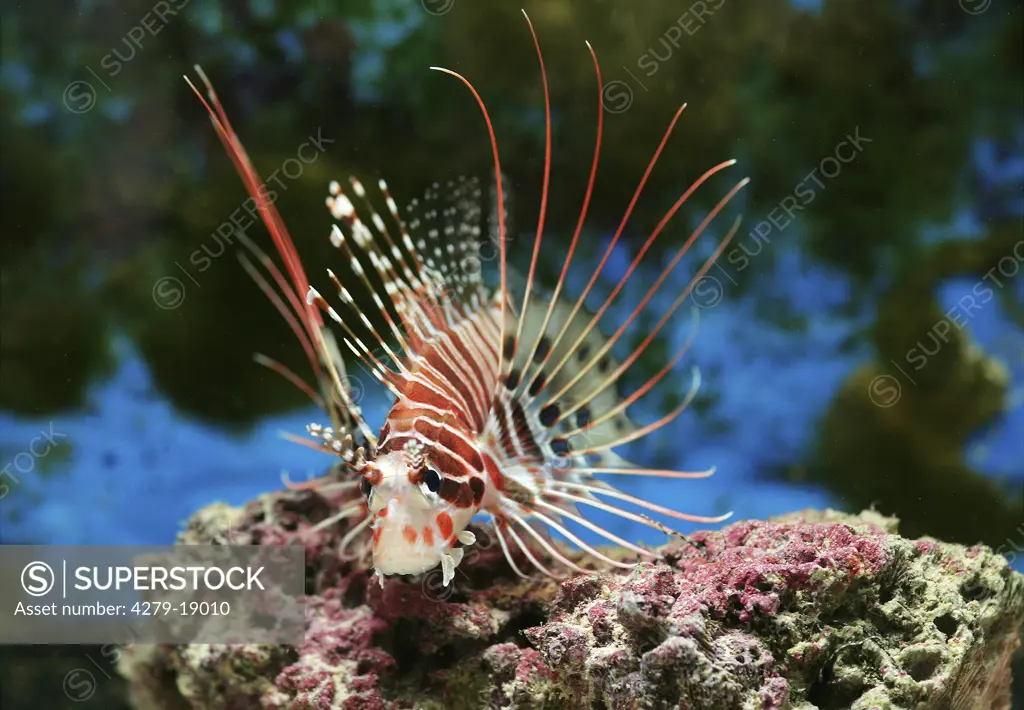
point(506, 408)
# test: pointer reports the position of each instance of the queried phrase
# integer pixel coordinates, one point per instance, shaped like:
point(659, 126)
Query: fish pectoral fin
point(449, 561)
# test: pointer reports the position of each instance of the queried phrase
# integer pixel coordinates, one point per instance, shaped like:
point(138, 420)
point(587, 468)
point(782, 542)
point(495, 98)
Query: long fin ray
point(346, 413)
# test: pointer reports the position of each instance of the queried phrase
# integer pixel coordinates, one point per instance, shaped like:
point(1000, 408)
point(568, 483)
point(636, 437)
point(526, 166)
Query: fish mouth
point(404, 566)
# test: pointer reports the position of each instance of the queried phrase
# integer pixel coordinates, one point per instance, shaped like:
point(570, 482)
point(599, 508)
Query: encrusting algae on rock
point(812, 610)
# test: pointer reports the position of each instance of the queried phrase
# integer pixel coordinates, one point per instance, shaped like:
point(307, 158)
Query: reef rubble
point(816, 609)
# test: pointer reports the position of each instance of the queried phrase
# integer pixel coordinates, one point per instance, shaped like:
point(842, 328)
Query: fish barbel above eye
point(506, 404)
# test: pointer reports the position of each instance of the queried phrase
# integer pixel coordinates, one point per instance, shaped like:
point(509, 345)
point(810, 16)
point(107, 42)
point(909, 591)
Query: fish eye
point(432, 479)
point(365, 487)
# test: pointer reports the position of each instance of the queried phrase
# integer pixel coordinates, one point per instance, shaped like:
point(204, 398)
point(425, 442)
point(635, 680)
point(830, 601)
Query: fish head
point(415, 525)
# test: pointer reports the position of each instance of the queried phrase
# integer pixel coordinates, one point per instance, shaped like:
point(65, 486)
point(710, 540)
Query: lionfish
point(503, 410)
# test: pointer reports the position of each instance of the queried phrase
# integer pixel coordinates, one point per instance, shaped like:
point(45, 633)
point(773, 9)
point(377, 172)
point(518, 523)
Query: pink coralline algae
point(812, 610)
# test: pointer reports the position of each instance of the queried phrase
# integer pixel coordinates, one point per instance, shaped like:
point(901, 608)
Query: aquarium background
point(861, 343)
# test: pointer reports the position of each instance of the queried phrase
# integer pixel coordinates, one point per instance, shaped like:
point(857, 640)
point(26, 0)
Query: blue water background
point(138, 469)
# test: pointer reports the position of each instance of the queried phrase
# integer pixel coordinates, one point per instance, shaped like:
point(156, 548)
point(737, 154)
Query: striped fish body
point(506, 407)
point(461, 439)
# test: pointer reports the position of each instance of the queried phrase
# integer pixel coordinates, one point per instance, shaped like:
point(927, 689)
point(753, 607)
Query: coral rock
point(811, 610)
